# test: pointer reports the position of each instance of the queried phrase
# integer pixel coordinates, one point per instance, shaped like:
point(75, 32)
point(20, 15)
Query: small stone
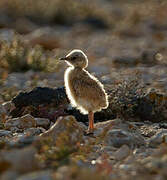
point(108, 149)
point(83, 125)
point(34, 131)
point(130, 159)
point(148, 57)
point(101, 126)
point(14, 129)
point(125, 167)
point(122, 152)
point(158, 138)
point(26, 121)
point(40, 175)
point(2, 109)
point(5, 133)
point(42, 122)
point(8, 106)
point(21, 140)
point(118, 137)
point(159, 57)
point(106, 79)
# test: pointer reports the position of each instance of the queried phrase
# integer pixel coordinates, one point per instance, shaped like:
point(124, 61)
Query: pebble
point(42, 122)
point(158, 138)
point(122, 152)
point(34, 131)
point(21, 140)
point(5, 133)
point(8, 106)
point(40, 175)
point(125, 167)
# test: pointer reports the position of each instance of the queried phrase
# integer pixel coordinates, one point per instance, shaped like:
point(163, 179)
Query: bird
point(85, 92)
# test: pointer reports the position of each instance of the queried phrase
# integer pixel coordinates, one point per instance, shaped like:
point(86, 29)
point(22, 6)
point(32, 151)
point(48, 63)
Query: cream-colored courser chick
point(84, 91)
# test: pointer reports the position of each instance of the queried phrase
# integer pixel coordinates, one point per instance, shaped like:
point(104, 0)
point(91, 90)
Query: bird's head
point(76, 58)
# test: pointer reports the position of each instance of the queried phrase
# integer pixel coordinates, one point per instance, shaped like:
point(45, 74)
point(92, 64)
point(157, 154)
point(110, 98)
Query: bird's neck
point(78, 68)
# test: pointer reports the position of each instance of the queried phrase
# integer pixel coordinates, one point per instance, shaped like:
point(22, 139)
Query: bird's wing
point(87, 88)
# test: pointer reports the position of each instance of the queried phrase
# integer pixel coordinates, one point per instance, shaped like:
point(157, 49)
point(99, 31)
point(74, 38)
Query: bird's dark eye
point(73, 58)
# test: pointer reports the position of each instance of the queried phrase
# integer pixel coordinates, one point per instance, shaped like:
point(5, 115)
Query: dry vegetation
point(17, 57)
point(125, 41)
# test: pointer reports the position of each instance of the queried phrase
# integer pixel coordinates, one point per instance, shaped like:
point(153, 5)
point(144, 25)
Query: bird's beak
point(63, 58)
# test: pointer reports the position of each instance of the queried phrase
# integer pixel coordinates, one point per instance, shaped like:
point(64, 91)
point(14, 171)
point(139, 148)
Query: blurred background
point(122, 38)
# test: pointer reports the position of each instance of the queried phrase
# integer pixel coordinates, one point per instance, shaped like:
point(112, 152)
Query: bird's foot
point(89, 133)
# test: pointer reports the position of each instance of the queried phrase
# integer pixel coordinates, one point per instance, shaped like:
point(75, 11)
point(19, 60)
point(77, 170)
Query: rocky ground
point(41, 136)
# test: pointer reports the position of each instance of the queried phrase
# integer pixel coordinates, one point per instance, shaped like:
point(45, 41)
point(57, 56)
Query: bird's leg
point(91, 122)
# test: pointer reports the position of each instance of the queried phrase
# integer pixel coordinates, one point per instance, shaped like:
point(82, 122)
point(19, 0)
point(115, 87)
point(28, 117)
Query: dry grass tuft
point(16, 56)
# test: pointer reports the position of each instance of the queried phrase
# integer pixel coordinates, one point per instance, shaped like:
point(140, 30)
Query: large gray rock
point(119, 137)
point(65, 126)
point(118, 132)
